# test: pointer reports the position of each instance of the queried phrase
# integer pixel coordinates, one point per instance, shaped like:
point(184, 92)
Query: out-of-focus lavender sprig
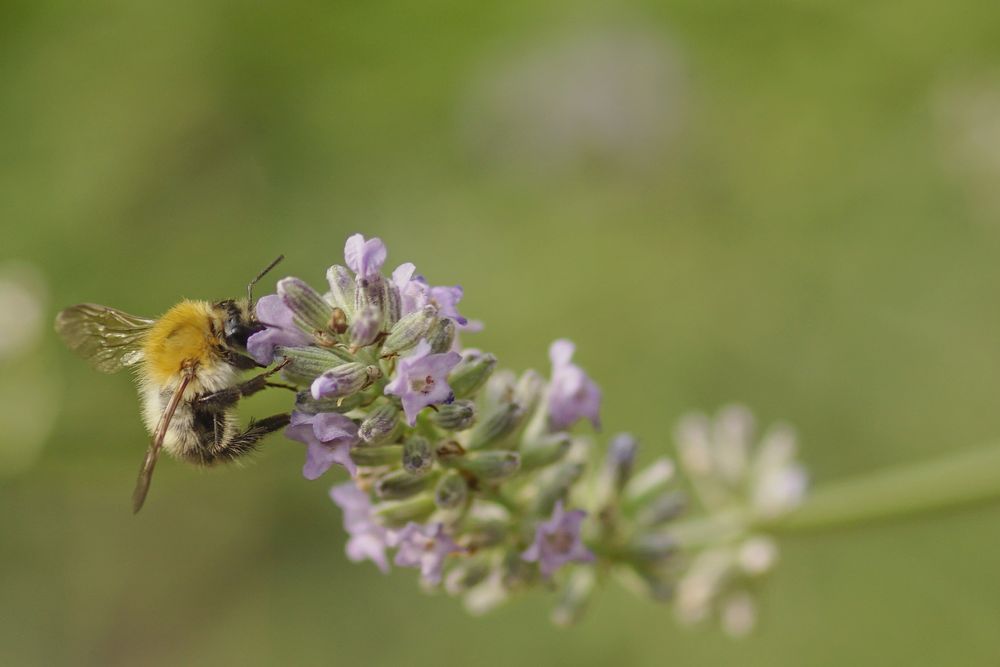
point(473, 475)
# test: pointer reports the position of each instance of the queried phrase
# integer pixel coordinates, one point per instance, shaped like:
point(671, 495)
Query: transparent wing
point(109, 339)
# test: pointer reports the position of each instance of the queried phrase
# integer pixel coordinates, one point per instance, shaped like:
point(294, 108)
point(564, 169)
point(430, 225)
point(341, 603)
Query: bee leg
point(246, 442)
point(224, 398)
point(240, 361)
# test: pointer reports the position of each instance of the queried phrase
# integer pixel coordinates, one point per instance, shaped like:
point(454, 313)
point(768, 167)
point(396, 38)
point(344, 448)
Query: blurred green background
point(792, 204)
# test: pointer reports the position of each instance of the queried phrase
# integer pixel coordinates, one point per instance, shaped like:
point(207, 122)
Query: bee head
point(238, 322)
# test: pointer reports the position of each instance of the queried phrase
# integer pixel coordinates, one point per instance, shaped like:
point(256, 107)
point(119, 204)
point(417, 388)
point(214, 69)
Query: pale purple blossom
point(415, 293)
point(425, 547)
point(280, 329)
point(368, 540)
point(572, 394)
point(422, 379)
point(364, 257)
point(557, 541)
point(328, 437)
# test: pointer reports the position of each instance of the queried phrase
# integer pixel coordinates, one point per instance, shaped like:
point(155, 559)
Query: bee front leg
point(224, 398)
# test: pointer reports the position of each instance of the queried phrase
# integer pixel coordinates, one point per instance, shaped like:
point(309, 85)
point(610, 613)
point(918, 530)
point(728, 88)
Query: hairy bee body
point(188, 364)
point(188, 335)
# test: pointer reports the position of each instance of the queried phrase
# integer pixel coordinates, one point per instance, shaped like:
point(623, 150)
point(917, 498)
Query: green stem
point(966, 478)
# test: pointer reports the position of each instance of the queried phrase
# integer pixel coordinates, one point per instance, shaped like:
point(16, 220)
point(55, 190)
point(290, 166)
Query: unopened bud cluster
point(471, 473)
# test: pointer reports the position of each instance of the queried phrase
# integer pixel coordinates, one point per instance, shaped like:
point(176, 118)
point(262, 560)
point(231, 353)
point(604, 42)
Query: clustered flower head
point(470, 473)
point(740, 483)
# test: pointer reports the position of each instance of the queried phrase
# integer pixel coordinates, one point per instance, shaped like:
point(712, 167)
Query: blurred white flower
point(726, 470)
point(968, 120)
point(611, 97)
point(733, 475)
point(22, 304)
point(29, 387)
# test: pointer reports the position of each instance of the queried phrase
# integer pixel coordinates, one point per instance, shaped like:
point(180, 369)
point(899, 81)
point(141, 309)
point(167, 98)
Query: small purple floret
point(422, 379)
point(364, 257)
point(415, 293)
point(280, 330)
point(368, 540)
point(328, 437)
point(425, 547)
point(557, 541)
point(572, 394)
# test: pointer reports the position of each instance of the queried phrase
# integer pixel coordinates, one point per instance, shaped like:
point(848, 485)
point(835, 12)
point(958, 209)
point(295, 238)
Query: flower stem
point(965, 478)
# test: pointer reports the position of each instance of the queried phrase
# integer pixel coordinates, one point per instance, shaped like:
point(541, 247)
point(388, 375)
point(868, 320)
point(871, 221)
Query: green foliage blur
point(790, 204)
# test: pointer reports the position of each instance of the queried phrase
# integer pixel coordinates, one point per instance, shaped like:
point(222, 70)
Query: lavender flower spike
point(328, 437)
point(422, 380)
point(368, 540)
point(280, 329)
point(557, 541)
point(572, 394)
point(364, 257)
point(425, 547)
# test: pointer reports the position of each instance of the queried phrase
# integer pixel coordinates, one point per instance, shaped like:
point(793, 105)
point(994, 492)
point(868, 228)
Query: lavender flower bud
point(528, 390)
point(451, 491)
point(304, 402)
point(365, 328)
point(574, 597)
point(311, 312)
point(489, 466)
point(402, 484)
point(392, 307)
point(418, 456)
point(381, 425)
point(370, 293)
point(621, 458)
point(466, 574)
point(662, 509)
point(647, 485)
point(544, 451)
point(344, 380)
point(442, 336)
point(652, 547)
point(456, 416)
point(495, 430)
point(342, 288)
point(308, 363)
point(409, 331)
point(553, 485)
point(448, 449)
point(617, 468)
point(397, 513)
point(471, 373)
point(371, 457)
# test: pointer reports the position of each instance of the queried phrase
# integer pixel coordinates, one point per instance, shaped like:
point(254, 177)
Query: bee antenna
point(260, 275)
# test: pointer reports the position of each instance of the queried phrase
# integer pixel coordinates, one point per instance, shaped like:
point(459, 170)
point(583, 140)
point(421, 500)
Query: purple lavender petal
point(280, 330)
point(422, 379)
point(572, 394)
point(328, 441)
point(367, 540)
point(364, 257)
point(557, 542)
point(447, 299)
point(425, 547)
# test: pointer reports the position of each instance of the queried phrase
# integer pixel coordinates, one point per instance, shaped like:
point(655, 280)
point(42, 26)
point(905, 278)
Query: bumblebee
point(188, 365)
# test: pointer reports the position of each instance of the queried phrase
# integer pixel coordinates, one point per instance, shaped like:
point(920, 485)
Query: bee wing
point(108, 338)
point(146, 472)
